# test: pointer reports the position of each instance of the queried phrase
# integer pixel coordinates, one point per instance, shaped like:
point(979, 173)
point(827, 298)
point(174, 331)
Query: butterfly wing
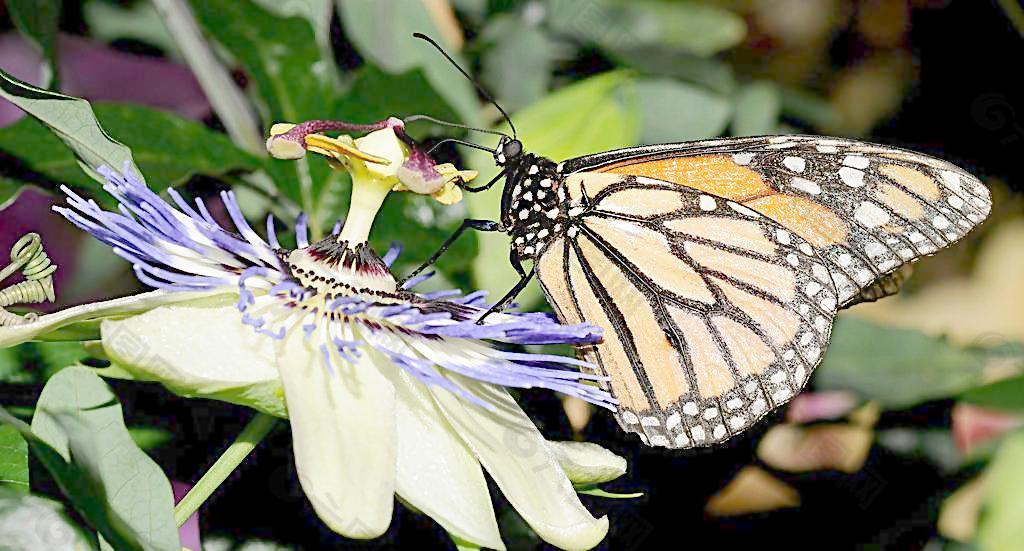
point(866, 209)
point(713, 314)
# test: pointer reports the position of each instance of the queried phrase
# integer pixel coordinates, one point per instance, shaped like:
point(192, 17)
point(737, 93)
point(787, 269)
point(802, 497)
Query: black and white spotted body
point(533, 204)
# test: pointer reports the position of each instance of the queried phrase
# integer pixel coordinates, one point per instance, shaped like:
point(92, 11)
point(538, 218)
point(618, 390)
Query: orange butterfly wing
point(713, 314)
point(867, 209)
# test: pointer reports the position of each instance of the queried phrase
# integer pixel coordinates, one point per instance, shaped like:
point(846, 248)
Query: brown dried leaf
point(752, 490)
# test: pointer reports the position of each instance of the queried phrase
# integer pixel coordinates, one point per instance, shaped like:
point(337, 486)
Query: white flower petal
point(199, 349)
point(437, 473)
point(343, 431)
point(587, 463)
point(118, 307)
point(519, 460)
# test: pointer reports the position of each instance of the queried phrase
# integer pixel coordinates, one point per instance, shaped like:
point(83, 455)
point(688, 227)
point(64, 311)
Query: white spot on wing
point(851, 176)
point(743, 158)
point(803, 184)
point(707, 203)
point(856, 161)
point(871, 215)
point(796, 164)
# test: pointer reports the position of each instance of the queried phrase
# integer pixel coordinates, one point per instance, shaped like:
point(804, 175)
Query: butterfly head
point(508, 152)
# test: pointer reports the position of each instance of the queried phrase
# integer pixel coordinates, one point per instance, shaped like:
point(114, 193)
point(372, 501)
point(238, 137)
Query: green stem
point(257, 429)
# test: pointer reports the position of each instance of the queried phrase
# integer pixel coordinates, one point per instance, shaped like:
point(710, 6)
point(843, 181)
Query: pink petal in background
point(98, 73)
point(816, 406)
point(973, 426)
point(189, 532)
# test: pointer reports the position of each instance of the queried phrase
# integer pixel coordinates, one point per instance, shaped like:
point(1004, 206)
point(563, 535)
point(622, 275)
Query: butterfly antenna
point(462, 142)
point(414, 118)
point(479, 88)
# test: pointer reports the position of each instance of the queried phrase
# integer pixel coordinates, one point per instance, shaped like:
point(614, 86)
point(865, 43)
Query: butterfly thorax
point(532, 204)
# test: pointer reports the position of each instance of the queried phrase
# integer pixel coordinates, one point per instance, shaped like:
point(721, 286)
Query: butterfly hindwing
point(866, 209)
point(713, 314)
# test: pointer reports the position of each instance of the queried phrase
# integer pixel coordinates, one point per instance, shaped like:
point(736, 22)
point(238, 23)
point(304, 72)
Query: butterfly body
point(533, 205)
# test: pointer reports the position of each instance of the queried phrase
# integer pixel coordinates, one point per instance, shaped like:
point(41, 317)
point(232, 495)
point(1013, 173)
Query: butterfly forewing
point(713, 314)
point(866, 209)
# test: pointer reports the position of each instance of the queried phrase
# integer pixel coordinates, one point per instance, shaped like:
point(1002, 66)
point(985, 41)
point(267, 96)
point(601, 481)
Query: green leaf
point(280, 54)
point(592, 115)
point(376, 95)
point(519, 61)
point(674, 111)
point(712, 74)
point(758, 106)
point(13, 460)
point(897, 367)
point(1007, 394)
point(148, 438)
point(319, 14)
point(55, 356)
point(622, 25)
point(9, 190)
point(168, 149)
point(809, 108)
point(12, 365)
point(79, 435)
point(293, 81)
point(73, 121)
point(382, 32)
point(37, 20)
point(30, 523)
point(999, 526)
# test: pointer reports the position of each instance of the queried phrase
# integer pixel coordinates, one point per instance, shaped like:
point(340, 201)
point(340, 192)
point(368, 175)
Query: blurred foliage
point(578, 76)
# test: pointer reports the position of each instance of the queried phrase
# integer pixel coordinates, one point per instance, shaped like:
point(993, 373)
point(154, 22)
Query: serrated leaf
point(897, 367)
point(73, 121)
point(13, 460)
point(592, 115)
point(674, 111)
point(168, 149)
point(37, 20)
point(78, 434)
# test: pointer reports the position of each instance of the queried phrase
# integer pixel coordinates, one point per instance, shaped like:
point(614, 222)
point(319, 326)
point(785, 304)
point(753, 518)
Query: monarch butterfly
point(716, 267)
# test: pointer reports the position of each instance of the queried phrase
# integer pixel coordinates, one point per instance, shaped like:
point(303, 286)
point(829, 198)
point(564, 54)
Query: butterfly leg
point(484, 187)
point(524, 279)
point(467, 224)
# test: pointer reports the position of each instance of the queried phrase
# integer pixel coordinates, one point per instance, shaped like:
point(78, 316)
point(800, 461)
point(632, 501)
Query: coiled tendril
point(28, 256)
